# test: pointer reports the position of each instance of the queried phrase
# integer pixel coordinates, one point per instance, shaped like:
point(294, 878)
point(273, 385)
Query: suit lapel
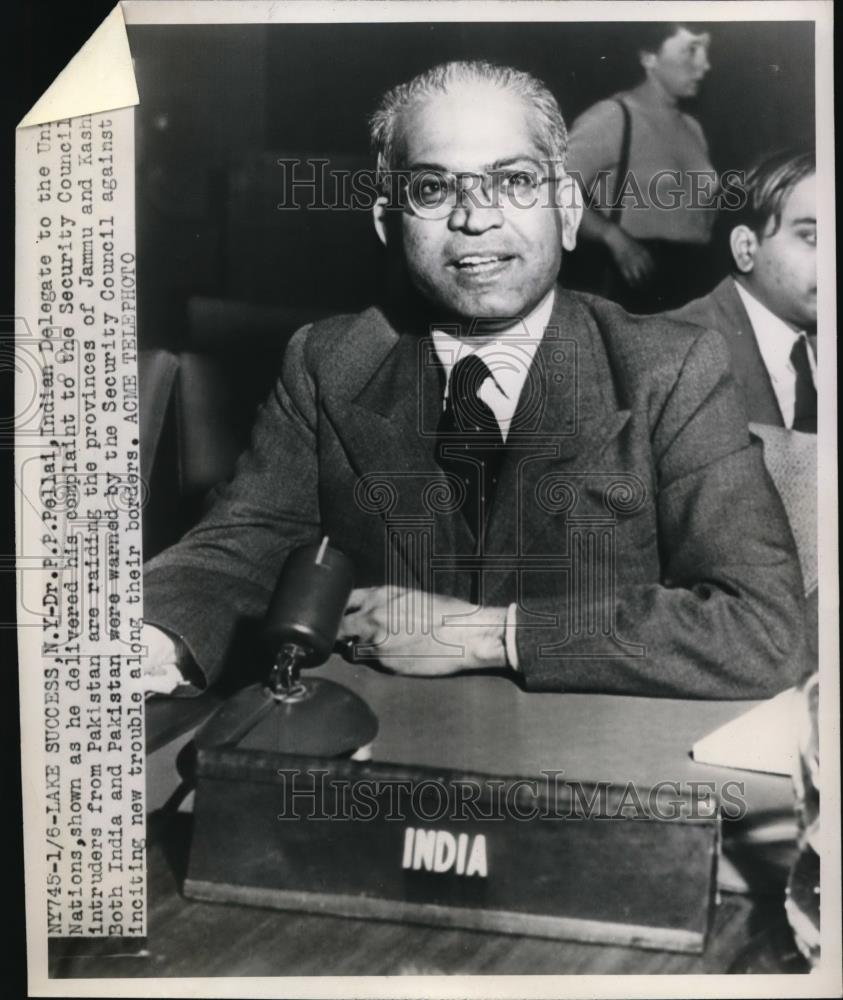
point(747, 363)
point(566, 415)
point(387, 423)
point(389, 430)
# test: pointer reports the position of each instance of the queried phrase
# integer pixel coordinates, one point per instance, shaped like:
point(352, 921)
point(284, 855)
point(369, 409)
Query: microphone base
point(317, 718)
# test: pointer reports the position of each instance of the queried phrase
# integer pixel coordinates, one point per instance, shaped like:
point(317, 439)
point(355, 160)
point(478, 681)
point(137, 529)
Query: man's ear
point(569, 206)
point(744, 245)
point(379, 213)
point(379, 218)
point(647, 59)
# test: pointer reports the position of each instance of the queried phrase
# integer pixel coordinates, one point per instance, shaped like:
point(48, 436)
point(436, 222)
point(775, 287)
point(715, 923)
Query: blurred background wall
point(220, 105)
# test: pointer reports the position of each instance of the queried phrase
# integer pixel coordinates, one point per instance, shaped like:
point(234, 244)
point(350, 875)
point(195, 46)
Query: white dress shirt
point(509, 354)
point(775, 341)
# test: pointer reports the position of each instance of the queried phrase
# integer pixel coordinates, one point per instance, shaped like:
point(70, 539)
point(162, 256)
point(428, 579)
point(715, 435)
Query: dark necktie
point(469, 443)
point(805, 408)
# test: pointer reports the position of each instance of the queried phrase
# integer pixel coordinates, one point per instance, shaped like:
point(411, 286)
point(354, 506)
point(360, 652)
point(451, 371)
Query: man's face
point(680, 64)
point(486, 258)
point(784, 264)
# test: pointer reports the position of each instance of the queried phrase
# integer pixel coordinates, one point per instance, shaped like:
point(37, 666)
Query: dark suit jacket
point(634, 521)
point(722, 310)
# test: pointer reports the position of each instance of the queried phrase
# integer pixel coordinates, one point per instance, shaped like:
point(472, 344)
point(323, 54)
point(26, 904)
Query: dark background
point(220, 104)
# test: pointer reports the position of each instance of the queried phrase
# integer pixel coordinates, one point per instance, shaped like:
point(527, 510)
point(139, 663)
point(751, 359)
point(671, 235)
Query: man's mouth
point(480, 263)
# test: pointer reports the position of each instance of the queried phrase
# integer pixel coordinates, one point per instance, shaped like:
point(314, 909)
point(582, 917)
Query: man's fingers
point(365, 600)
point(162, 678)
point(161, 648)
point(360, 625)
point(365, 624)
point(158, 685)
point(638, 272)
point(349, 625)
point(644, 262)
point(356, 612)
point(361, 598)
point(367, 611)
point(631, 276)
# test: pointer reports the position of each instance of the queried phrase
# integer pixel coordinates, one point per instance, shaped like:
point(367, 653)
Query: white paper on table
point(762, 739)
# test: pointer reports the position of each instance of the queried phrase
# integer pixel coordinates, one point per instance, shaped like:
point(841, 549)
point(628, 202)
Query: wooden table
point(482, 724)
point(204, 939)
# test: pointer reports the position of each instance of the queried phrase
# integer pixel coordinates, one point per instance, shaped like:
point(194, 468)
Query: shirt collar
point(509, 353)
point(766, 325)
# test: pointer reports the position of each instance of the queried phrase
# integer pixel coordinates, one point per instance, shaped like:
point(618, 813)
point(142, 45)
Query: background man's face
point(483, 260)
point(784, 269)
point(681, 63)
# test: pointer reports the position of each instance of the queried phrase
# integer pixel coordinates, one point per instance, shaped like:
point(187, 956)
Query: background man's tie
point(805, 408)
point(468, 430)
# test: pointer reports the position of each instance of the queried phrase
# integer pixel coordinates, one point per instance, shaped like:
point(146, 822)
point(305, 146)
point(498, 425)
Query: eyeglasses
point(433, 194)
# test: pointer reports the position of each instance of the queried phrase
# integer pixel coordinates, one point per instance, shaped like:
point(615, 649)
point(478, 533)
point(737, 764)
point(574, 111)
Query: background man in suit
point(767, 309)
point(569, 465)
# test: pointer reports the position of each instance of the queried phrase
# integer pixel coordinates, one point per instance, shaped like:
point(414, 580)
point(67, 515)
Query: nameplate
point(536, 855)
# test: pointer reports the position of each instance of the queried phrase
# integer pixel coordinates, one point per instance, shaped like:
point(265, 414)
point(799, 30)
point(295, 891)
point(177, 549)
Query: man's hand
point(414, 628)
point(161, 673)
point(633, 260)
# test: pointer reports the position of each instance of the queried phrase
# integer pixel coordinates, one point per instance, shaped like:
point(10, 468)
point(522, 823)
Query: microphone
point(305, 612)
point(285, 714)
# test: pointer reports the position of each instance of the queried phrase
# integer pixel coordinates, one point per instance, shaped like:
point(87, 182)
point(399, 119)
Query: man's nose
point(475, 214)
point(702, 61)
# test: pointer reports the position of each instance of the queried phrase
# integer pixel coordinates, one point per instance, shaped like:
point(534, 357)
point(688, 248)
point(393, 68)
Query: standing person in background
point(647, 179)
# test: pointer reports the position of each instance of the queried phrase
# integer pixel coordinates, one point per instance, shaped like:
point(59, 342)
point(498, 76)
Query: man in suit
point(767, 309)
point(526, 480)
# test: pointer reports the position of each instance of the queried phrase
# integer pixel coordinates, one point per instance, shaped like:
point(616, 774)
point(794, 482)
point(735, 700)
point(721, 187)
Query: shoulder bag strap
point(623, 164)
